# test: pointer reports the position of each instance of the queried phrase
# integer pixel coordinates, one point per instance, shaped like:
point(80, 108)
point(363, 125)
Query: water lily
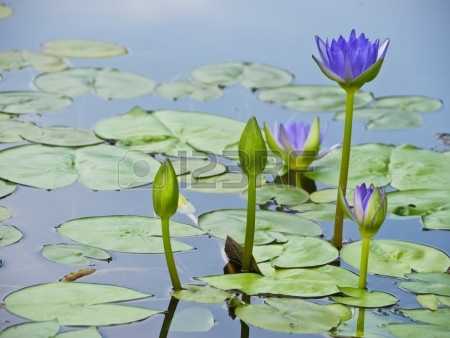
point(351, 63)
point(296, 142)
point(253, 160)
point(369, 212)
point(165, 203)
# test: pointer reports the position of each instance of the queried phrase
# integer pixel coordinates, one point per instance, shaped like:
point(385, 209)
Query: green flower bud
point(165, 191)
point(252, 149)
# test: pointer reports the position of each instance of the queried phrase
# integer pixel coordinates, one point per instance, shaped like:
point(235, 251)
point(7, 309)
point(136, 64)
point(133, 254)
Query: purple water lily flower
point(353, 61)
point(369, 208)
point(291, 135)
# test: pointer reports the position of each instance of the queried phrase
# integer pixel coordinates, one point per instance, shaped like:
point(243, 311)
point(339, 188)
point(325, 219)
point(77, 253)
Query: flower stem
point(360, 322)
point(298, 178)
point(364, 262)
point(345, 160)
point(176, 284)
point(250, 227)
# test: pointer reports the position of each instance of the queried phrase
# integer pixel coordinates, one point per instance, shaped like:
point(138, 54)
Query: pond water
point(166, 40)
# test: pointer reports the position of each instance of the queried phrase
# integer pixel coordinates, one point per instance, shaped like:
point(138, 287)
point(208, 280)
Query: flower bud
point(165, 191)
point(252, 149)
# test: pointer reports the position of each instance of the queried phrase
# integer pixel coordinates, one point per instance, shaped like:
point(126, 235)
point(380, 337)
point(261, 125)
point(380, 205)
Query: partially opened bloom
point(297, 143)
point(351, 62)
point(369, 208)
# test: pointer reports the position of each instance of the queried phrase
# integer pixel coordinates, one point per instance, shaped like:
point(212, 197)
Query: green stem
point(298, 179)
point(345, 160)
point(364, 262)
point(176, 284)
point(360, 322)
point(250, 227)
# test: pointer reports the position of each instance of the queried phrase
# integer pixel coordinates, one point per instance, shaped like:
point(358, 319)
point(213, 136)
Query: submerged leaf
point(192, 319)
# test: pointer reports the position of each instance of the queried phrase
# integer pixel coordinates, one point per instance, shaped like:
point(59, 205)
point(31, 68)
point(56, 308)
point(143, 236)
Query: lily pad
point(60, 136)
point(90, 332)
point(171, 132)
point(282, 194)
point(438, 317)
point(413, 168)
point(363, 298)
point(4, 213)
point(196, 91)
point(19, 59)
point(433, 206)
point(428, 283)
point(433, 302)
point(38, 166)
point(9, 234)
point(317, 212)
point(292, 315)
point(305, 252)
point(397, 258)
point(312, 98)
point(395, 112)
point(77, 304)
point(5, 11)
point(289, 282)
point(227, 183)
point(250, 75)
point(417, 331)
point(365, 324)
point(192, 319)
point(27, 102)
point(46, 330)
point(132, 234)
point(264, 253)
point(105, 82)
point(202, 294)
point(83, 49)
point(73, 254)
point(368, 163)
point(6, 188)
point(106, 167)
point(270, 226)
point(11, 130)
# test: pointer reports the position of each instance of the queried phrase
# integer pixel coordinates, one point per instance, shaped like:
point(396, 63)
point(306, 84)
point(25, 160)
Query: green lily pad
point(227, 183)
point(305, 252)
point(417, 331)
point(312, 98)
point(106, 167)
point(373, 325)
point(83, 49)
point(438, 317)
point(5, 11)
point(363, 298)
point(270, 226)
point(19, 59)
point(413, 168)
point(289, 282)
point(197, 167)
point(46, 330)
point(27, 102)
point(395, 112)
point(192, 319)
point(425, 283)
point(202, 294)
point(433, 302)
point(11, 130)
point(169, 132)
point(73, 254)
point(77, 304)
point(250, 75)
point(9, 234)
point(38, 166)
point(196, 91)
point(283, 194)
point(324, 196)
point(368, 163)
point(433, 206)
point(104, 82)
point(132, 234)
point(292, 315)
point(6, 188)
point(60, 136)
point(264, 253)
point(317, 212)
point(4, 213)
point(397, 258)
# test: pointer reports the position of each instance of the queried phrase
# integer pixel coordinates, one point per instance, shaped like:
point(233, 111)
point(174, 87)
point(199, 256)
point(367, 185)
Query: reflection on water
point(166, 41)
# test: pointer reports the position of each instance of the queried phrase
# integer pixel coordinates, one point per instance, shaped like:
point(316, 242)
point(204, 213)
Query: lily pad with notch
point(362, 298)
point(11, 130)
point(19, 59)
point(28, 102)
point(74, 254)
point(83, 49)
point(60, 136)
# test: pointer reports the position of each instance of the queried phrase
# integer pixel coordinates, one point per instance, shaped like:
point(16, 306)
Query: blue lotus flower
point(351, 62)
point(369, 208)
point(298, 143)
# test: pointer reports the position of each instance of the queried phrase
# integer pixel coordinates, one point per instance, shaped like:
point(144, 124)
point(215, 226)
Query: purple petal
point(322, 51)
